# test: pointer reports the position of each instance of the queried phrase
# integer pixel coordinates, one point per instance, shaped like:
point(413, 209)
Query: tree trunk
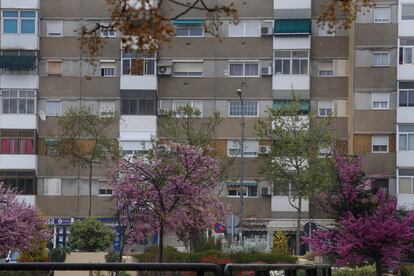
point(378, 267)
point(161, 244)
point(298, 226)
point(90, 189)
point(122, 241)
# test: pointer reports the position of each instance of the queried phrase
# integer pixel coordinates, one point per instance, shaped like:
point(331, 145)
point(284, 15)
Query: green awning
point(292, 26)
point(17, 62)
point(188, 22)
point(304, 106)
point(51, 142)
point(245, 184)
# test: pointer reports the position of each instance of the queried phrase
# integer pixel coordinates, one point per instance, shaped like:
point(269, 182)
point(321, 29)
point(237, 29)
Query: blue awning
point(245, 184)
point(188, 22)
point(292, 26)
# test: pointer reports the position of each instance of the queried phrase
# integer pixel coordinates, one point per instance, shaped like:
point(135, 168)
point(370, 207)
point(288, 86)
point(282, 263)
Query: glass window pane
point(22, 106)
point(30, 107)
point(30, 14)
point(13, 106)
point(126, 66)
point(410, 141)
point(295, 66)
point(251, 69)
point(403, 98)
point(408, 55)
point(125, 106)
point(10, 26)
point(411, 98)
point(133, 106)
point(402, 142)
point(6, 103)
point(181, 32)
point(137, 67)
point(304, 67)
point(278, 66)
point(196, 31)
point(236, 69)
point(28, 26)
point(286, 66)
point(149, 67)
point(405, 186)
point(10, 14)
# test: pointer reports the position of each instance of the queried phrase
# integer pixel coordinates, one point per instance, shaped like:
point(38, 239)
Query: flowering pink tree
point(168, 191)
point(21, 225)
point(368, 229)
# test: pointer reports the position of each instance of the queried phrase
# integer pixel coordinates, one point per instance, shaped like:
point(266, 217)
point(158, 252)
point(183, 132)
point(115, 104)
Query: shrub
point(58, 254)
point(207, 243)
point(112, 257)
point(90, 235)
point(358, 271)
point(36, 253)
point(249, 246)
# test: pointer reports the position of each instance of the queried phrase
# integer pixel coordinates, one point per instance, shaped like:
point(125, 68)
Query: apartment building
point(277, 52)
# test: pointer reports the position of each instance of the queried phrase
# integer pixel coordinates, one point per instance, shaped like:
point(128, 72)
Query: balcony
point(281, 204)
point(406, 201)
point(14, 81)
point(405, 71)
point(135, 127)
point(289, 4)
point(405, 28)
point(405, 115)
point(291, 43)
point(18, 121)
point(291, 82)
point(18, 162)
point(405, 158)
point(145, 82)
point(20, 4)
point(19, 41)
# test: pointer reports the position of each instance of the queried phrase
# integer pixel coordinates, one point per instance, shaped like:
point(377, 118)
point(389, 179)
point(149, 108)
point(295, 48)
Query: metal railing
point(199, 268)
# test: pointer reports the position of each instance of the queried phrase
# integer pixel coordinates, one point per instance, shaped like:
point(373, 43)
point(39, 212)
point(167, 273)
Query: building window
point(379, 143)
point(107, 68)
point(325, 152)
point(189, 28)
point(407, 11)
point(18, 102)
point(381, 59)
point(324, 108)
point(137, 64)
point(188, 69)
point(406, 185)
point(107, 32)
point(250, 108)
point(106, 108)
point(54, 28)
point(380, 100)
point(17, 142)
point(325, 68)
point(406, 98)
point(244, 69)
point(19, 22)
point(304, 106)
point(382, 14)
point(52, 147)
point(197, 106)
point(245, 28)
point(104, 189)
point(249, 189)
point(250, 148)
point(54, 67)
point(291, 62)
point(406, 137)
point(135, 147)
point(23, 181)
point(53, 108)
point(137, 106)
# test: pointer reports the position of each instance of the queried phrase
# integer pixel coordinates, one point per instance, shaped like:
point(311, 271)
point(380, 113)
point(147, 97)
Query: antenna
point(42, 115)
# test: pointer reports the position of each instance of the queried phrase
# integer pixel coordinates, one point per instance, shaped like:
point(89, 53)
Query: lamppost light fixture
point(239, 92)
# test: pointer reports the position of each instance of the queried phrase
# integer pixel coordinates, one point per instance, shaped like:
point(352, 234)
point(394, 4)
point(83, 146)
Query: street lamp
point(239, 93)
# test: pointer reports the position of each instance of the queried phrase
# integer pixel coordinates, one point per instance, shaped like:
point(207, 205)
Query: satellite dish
point(42, 115)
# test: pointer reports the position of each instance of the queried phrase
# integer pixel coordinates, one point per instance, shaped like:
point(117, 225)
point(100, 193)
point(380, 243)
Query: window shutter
point(54, 28)
point(52, 187)
point(340, 67)
point(340, 108)
point(188, 67)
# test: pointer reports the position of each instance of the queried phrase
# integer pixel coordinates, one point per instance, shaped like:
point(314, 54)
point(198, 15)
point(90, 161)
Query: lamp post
point(239, 93)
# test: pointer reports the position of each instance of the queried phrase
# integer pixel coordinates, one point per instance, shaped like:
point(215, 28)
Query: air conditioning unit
point(164, 70)
point(264, 149)
point(164, 147)
point(267, 31)
point(267, 71)
point(266, 191)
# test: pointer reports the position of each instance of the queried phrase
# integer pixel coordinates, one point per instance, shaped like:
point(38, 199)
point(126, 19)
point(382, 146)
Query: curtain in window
point(236, 69)
point(26, 146)
point(14, 143)
point(5, 146)
point(251, 69)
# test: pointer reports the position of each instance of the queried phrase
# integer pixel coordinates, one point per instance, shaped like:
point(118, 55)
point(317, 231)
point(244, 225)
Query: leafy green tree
point(293, 164)
point(90, 235)
point(84, 140)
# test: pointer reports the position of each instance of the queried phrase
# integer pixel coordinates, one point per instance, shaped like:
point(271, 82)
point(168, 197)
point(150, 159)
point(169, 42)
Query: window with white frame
point(406, 98)
point(406, 137)
point(379, 143)
point(250, 148)
point(53, 108)
point(18, 101)
point(107, 68)
point(407, 11)
point(382, 14)
point(325, 108)
point(380, 100)
point(325, 68)
point(250, 108)
point(381, 58)
point(234, 189)
point(238, 69)
point(406, 185)
point(291, 62)
point(135, 147)
point(325, 152)
point(197, 106)
point(106, 31)
point(189, 28)
point(19, 22)
point(138, 64)
point(188, 68)
point(106, 108)
point(104, 189)
point(245, 28)
point(54, 28)
point(405, 55)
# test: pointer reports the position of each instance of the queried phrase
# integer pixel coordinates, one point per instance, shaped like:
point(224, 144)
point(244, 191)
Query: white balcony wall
point(19, 41)
point(289, 4)
point(405, 71)
point(138, 82)
point(28, 199)
point(18, 162)
point(19, 81)
point(291, 82)
point(281, 204)
point(18, 121)
point(405, 115)
point(20, 4)
point(291, 43)
point(405, 158)
point(138, 127)
point(406, 201)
